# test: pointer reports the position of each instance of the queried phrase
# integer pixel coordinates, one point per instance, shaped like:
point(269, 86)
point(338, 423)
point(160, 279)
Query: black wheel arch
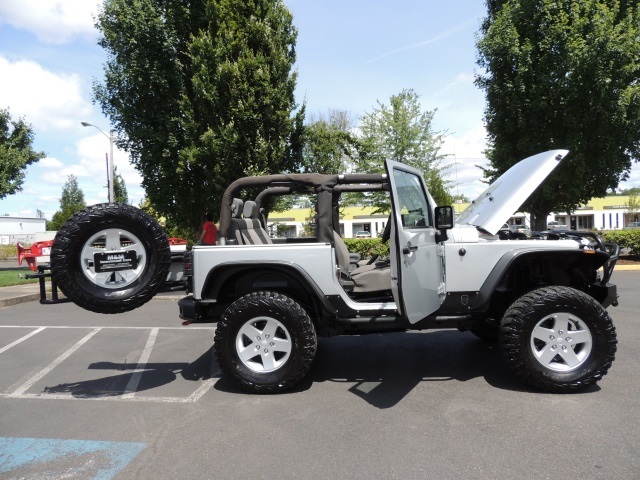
point(570, 268)
point(230, 280)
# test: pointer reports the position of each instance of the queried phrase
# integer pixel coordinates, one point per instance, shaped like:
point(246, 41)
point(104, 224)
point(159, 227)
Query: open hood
point(504, 197)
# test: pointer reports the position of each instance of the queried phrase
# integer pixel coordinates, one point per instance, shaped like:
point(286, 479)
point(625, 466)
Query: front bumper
point(606, 294)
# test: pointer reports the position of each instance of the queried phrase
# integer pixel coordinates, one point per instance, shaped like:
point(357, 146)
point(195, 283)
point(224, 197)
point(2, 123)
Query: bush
point(367, 247)
point(625, 239)
point(8, 252)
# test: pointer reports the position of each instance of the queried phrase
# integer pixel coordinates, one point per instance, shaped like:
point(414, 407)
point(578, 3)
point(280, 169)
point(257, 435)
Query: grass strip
point(15, 277)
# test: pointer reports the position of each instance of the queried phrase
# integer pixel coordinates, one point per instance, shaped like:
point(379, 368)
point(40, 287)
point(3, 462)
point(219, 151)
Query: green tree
point(330, 146)
point(562, 74)
point(71, 201)
point(401, 131)
point(119, 188)
point(16, 152)
point(200, 94)
point(461, 197)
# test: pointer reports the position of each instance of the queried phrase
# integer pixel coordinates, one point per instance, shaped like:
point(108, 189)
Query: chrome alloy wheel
point(561, 342)
point(112, 240)
point(263, 344)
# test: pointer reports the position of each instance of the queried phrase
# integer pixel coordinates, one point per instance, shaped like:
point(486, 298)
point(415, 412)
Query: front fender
point(587, 260)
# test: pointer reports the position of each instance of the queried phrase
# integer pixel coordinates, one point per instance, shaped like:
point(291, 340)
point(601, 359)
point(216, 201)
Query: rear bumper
point(188, 308)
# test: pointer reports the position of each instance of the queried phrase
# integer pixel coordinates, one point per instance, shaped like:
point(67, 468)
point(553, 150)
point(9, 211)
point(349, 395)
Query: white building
point(20, 229)
point(608, 213)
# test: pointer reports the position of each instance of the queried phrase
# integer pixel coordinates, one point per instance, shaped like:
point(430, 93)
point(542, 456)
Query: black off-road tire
point(561, 321)
point(259, 321)
point(87, 232)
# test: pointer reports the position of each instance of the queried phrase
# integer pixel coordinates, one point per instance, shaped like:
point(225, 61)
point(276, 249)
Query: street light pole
point(109, 160)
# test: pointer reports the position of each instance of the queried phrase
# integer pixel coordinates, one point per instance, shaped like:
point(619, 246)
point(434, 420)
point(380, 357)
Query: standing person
point(209, 231)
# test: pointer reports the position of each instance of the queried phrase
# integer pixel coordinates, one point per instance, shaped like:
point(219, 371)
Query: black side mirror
point(444, 222)
point(444, 218)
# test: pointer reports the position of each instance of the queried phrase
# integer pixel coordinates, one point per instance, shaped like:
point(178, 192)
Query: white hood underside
point(504, 197)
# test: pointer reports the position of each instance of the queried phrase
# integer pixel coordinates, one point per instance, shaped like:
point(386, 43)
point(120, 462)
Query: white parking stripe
point(48, 396)
point(214, 371)
point(190, 327)
point(20, 340)
point(132, 386)
point(32, 381)
point(130, 390)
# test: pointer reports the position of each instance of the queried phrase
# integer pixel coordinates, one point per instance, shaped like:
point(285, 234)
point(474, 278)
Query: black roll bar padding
point(294, 180)
point(284, 180)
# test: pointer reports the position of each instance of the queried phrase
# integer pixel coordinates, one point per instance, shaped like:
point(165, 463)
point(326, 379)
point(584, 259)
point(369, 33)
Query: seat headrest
point(250, 209)
point(236, 207)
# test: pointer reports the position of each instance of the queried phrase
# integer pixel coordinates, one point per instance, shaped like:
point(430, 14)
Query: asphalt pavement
point(138, 396)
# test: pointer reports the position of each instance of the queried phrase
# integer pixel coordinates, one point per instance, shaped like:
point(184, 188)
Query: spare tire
point(110, 258)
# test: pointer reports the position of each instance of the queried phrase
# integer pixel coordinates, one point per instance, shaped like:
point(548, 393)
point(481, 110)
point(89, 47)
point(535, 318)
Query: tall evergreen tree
point(562, 74)
point(200, 93)
point(71, 201)
point(119, 188)
point(16, 153)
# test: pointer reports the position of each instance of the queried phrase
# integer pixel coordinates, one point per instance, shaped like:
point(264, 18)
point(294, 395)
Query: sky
point(350, 56)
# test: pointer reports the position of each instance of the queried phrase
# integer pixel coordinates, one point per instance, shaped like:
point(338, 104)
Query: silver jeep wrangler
point(543, 298)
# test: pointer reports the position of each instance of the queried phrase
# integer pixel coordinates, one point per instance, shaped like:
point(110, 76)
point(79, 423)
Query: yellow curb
point(626, 268)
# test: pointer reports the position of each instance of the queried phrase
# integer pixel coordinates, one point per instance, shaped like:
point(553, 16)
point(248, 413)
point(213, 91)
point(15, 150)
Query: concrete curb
point(9, 302)
point(10, 296)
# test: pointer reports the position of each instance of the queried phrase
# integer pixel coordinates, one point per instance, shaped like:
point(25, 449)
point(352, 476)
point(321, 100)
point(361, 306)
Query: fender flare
point(221, 273)
point(512, 258)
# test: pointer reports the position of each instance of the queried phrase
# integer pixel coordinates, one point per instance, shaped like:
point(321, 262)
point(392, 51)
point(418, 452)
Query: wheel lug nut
point(266, 336)
point(553, 347)
point(266, 351)
point(551, 337)
point(564, 348)
point(258, 338)
point(568, 339)
point(271, 344)
point(560, 332)
point(257, 347)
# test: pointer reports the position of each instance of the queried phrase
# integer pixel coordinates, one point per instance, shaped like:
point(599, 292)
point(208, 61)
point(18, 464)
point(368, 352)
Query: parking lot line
point(29, 383)
point(132, 386)
point(190, 327)
point(20, 340)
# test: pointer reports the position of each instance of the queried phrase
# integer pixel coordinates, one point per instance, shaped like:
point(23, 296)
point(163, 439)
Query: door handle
point(409, 248)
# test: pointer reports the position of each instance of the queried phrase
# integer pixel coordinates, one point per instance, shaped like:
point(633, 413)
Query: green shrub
point(367, 247)
point(625, 239)
point(8, 252)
